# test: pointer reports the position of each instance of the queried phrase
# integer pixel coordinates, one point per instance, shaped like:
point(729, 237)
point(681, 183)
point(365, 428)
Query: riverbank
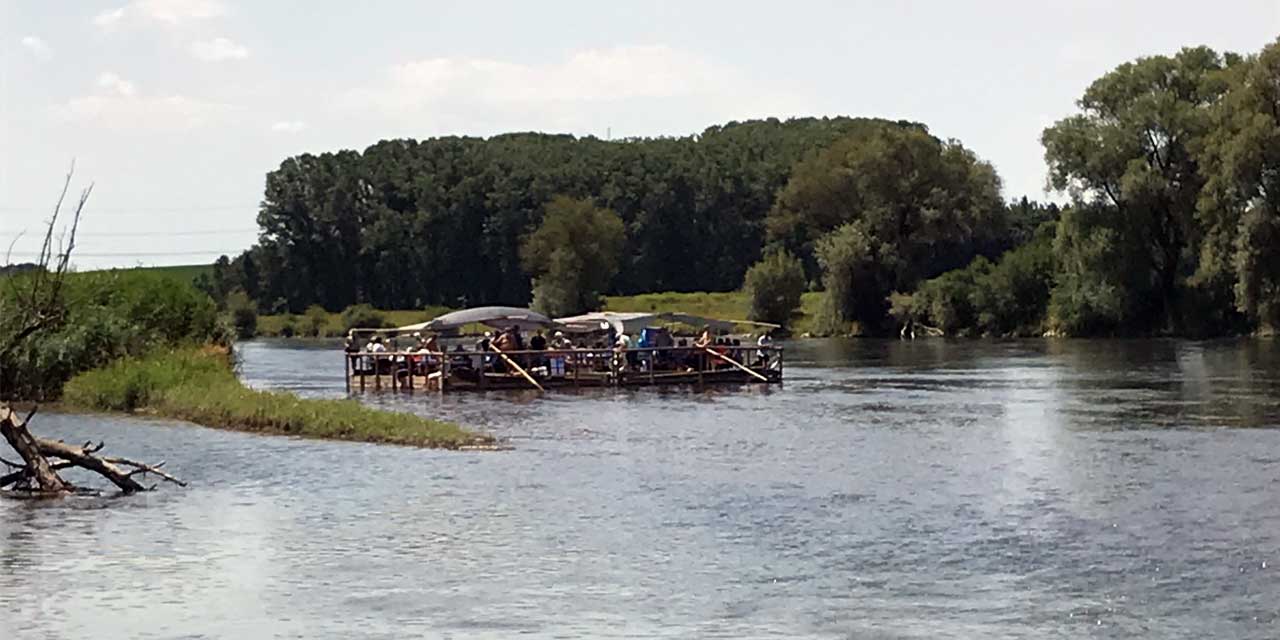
point(731, 305)
point(198, 385)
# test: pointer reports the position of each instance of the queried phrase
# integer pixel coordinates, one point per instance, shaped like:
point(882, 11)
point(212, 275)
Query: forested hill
point(410, 223)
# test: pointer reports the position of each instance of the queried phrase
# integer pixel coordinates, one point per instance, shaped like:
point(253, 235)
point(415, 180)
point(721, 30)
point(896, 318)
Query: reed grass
point(198, 385)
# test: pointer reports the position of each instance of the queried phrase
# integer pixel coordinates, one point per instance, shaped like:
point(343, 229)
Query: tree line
point(1170, 166)
point(407, 223)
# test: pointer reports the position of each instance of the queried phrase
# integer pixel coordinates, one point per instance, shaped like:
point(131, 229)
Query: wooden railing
point(365, 369)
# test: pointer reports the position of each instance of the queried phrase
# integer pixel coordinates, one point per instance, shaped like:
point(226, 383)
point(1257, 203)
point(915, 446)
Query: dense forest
point(1171, 166)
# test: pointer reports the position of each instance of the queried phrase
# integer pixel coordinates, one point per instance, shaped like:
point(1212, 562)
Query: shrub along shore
point(198, 385)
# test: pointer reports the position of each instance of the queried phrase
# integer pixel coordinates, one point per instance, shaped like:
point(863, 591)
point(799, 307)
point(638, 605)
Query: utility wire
point(131, 234)
point(79, 254)
point(142, 210)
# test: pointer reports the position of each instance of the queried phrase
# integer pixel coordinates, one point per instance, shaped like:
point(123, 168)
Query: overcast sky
point(177, 108)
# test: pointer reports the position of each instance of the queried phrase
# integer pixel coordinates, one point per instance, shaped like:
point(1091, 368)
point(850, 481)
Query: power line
point(90, 209)
point(152, 254)
point(130, 234)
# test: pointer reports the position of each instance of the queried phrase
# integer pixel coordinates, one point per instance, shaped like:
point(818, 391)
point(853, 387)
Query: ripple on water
point(887, 489)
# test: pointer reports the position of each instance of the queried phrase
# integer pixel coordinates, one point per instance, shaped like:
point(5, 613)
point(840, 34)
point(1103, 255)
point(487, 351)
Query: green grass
point(187, 273)
point(199, 386)
point(273, 325)
point(732, 305)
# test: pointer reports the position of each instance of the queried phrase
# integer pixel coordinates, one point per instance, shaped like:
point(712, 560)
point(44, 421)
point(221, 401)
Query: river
point(933, 489)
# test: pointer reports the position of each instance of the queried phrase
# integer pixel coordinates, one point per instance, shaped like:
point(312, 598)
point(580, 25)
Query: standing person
point(703, 343)
point(482, 345)
point(765, 341)
point(375, 346)
point(351, 348)
point(538, 342)
point(622, 350)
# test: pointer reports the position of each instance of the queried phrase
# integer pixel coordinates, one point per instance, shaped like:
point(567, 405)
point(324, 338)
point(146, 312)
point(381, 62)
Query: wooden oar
point(736, 364)
point(517, 367)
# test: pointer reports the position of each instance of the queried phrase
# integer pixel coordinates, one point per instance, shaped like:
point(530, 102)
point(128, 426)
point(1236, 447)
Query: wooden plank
point(736, 364)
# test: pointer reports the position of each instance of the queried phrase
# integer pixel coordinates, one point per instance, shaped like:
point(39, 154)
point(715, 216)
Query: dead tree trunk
point(37, 468)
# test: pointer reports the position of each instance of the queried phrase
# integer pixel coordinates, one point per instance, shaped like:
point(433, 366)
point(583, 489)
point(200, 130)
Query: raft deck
point(573, 368)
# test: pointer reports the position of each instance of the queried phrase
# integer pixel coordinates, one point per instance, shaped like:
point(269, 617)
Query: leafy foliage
point(111, 314)
point(362, 316)
point(774, 286)
point(572, 256)
point(897, 206)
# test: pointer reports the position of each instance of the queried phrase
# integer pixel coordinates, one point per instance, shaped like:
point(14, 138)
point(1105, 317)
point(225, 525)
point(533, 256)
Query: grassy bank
point(731, 305)
point(199, 386)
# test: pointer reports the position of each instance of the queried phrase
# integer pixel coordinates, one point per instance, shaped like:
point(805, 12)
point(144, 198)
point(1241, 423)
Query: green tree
point(362, 316)
point(1129, 154)
point(316, 320)
point(1241, 200)
point(882, 211)
point(773, 287)
point(573, 255)
point(244, 314)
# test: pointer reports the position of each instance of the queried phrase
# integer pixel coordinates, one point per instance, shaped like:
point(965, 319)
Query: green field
point(187, 273)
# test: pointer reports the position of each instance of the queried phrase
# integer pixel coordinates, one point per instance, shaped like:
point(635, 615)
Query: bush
point(110, 314)
point(315, 319)
point(244, 314)
point(773, 287)
point(362, 316)
point(289, 328)
point(946, 301)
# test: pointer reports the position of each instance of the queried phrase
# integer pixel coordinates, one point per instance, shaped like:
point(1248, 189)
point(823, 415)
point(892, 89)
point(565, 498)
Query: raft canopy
point(632, 323)
point(495, 317)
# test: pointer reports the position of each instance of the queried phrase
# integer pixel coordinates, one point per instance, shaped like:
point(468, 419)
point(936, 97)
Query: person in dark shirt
point(538, 342)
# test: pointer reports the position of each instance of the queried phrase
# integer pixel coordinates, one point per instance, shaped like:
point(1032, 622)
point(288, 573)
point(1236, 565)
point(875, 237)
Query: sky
point(176, 109)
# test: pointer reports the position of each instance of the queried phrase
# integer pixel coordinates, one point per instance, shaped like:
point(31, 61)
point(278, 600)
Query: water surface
point(888, 490)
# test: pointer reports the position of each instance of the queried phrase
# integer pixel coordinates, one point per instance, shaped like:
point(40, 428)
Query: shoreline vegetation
point(148, 341)
point(198, 385)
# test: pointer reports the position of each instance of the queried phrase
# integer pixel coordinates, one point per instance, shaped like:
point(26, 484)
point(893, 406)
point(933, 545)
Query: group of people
point(425, 353)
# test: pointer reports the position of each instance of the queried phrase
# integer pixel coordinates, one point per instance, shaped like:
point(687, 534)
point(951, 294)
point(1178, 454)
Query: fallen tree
point(33, 304)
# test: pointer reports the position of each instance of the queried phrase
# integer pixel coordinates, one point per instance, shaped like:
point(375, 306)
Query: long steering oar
point(517, 367)
point(736, 364)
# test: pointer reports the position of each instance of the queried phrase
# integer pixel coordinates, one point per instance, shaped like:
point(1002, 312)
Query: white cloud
point(584, 90)
point(37, 46)
point(219, 49)
point(118, 105)
point(110, 18)
point(115, 83)
point(288, 126)
point(595, 75)
point(161, 12)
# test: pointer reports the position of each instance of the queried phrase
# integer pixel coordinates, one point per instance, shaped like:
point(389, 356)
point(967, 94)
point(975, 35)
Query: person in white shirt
point(765, 340)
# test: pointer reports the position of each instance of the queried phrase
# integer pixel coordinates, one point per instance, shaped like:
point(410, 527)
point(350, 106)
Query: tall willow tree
point(1128, 158)
point(1240, 203)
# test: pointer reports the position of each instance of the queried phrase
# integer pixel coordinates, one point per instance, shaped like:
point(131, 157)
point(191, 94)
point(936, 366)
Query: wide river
point(932, 489)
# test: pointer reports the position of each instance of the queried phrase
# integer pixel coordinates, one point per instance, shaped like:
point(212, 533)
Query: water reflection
point(891, 489)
